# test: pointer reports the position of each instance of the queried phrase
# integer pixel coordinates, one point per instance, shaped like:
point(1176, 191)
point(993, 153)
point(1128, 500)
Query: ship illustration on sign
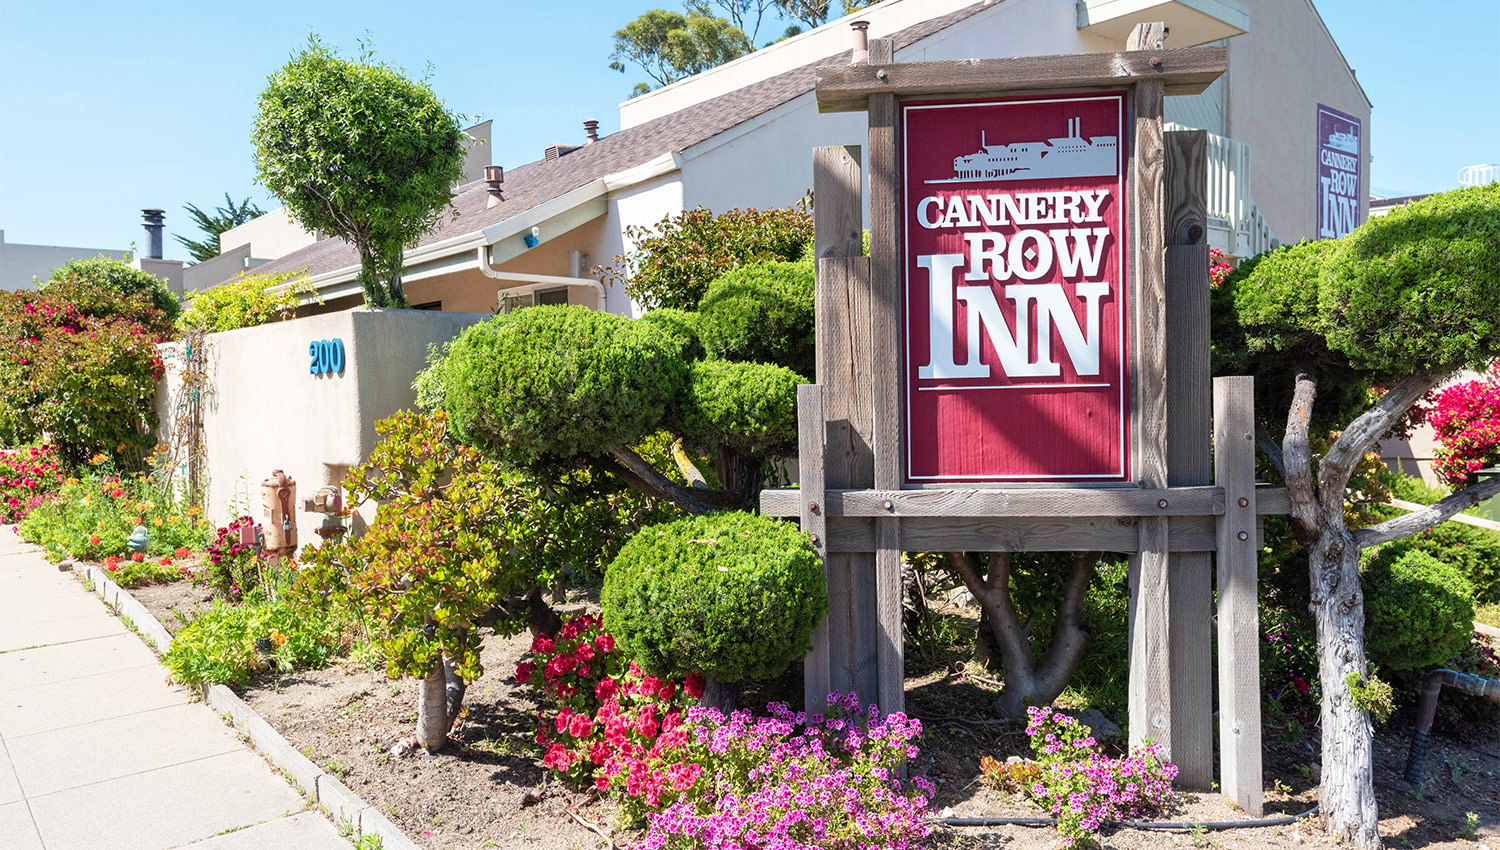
point(1346, 142)
point(1067, 156)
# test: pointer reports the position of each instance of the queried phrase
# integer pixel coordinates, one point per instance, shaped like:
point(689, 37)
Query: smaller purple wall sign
point(1340, 188)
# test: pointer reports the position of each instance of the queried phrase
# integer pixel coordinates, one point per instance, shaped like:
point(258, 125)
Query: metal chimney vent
point(154, 219)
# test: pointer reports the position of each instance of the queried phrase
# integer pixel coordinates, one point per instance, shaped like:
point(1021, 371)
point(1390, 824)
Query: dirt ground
point(485, 790)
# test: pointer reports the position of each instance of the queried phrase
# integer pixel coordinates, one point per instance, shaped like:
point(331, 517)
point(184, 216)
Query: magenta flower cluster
point(794, 781)
point(28, 477)
point(1084, 789)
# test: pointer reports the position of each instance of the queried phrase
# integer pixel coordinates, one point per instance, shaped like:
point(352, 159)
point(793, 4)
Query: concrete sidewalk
point(98, 751)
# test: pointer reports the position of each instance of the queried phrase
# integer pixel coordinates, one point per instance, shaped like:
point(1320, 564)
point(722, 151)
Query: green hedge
point(761, 313)
point(560, 382)
point(1419, 611)
point(749, 407)
point(731, 595)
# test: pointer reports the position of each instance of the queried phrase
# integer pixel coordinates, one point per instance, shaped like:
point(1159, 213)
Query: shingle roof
point(538, 182)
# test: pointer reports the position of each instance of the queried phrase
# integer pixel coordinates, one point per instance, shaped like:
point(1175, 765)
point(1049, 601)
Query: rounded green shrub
point(1418, 290)
point(681, 325)
point(1474, 552)
point(761, 313)
point(548, 383)
point(749, 407)
point(730, 595)
point(1419, 611)
point(104, 288)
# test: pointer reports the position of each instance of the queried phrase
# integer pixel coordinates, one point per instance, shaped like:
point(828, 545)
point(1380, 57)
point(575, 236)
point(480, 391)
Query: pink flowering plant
point(28, 477)
point(1466, 422)
point(796, 781)
point(605, 721)
point(1084, 789)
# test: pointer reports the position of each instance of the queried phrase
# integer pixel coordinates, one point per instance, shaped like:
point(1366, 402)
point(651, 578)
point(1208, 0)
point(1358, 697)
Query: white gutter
point(326, 285)
point(533, 281)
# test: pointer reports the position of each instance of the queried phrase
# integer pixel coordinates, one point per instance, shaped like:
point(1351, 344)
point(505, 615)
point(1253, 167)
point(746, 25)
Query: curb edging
point(332, 797)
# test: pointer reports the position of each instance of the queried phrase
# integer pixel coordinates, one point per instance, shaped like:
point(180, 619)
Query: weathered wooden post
point(1021, 364)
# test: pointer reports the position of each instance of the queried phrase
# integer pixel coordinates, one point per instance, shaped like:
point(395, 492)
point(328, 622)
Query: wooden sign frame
point(851, 501)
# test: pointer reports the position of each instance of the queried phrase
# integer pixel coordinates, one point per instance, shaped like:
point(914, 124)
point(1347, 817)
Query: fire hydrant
point(329, 502)
point(277, 496)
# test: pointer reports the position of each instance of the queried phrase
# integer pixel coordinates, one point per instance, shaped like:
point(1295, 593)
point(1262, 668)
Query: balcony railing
point(1235, 223)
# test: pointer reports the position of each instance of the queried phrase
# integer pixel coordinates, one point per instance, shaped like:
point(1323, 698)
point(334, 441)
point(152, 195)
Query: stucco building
point(741, 135)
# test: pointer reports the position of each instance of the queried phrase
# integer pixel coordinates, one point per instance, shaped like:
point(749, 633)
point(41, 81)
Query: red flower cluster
point(1466, 422)
point(28, 477)
point(612, 723)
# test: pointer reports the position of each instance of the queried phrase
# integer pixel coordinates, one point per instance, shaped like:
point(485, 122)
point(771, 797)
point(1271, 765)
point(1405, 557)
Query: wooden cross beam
point(1183, 70)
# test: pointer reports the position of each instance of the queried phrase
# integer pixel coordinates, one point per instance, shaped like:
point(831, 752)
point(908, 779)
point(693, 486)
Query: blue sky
point(107, 108)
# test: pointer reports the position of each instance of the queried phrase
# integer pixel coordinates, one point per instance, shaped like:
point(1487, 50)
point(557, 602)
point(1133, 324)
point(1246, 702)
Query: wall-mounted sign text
point(1339, 171)
point(1015, 308)
point(327, 356)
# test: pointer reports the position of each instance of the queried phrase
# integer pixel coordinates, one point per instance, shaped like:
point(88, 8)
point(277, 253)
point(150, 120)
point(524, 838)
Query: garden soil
point(485, 790)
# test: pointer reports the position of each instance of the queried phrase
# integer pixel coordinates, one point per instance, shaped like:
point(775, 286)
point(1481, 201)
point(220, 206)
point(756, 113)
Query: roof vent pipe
point(494, 175)
point(591, 128)
point(861, 31)
point(154, 228)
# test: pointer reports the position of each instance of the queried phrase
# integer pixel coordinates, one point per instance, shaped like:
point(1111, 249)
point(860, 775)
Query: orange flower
point(278, 638)
point(182, 552)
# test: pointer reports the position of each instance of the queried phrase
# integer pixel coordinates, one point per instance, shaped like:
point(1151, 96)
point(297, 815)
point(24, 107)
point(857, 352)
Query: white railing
point(1235, 223)
point(1478, 175)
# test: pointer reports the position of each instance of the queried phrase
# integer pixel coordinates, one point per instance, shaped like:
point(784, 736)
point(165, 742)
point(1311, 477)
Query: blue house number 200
point(327, 356)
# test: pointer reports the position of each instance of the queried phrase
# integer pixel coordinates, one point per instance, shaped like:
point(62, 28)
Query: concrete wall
point(263, 408)
point(22, 266)
point(1278, 74)
point(269, 236)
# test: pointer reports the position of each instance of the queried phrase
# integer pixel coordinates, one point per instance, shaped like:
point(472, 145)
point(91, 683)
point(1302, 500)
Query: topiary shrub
point(1415, 291)
point(1419, 611)
point(560, 382)
point(748, 407)
point(761, 313)
point(1473, 552)
point(105, 288)
point(681, 325)
point(731, 595)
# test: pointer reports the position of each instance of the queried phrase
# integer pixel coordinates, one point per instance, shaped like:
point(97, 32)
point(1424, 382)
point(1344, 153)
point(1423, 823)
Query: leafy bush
point(1419, 610)
point(92, 517)
point(87, 381)
point(791, 780)
point(560, 382)
point(761, 313)
point(1083, 789)
point(28, 477)
point(1416, 291)
point(732, 595)
point(748, 407)
point(1289, 664)
point(675, 260)
point(246, 301)
point(104, 288)
point(217, 646)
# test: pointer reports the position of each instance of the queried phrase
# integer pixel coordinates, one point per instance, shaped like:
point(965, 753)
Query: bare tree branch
point(1297, 453)
point(635, 471)
point(1334, 472)
point(1069, 637)
point(1401, 526)
point(1268, 445)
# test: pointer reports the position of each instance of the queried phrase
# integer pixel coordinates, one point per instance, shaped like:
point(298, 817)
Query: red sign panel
point(1014, 320)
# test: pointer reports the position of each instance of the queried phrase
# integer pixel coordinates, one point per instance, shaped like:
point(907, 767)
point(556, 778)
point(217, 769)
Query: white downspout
point(557, 280)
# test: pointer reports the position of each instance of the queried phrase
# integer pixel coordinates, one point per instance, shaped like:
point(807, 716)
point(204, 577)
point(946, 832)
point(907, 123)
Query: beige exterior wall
point(269, 236)
point(263, 409)
point(1278, 74)
point(23, 266)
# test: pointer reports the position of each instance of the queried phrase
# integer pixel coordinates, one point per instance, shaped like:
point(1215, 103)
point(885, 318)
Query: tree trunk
point(432, 708)
point(1347, 793)
point(724, 696)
